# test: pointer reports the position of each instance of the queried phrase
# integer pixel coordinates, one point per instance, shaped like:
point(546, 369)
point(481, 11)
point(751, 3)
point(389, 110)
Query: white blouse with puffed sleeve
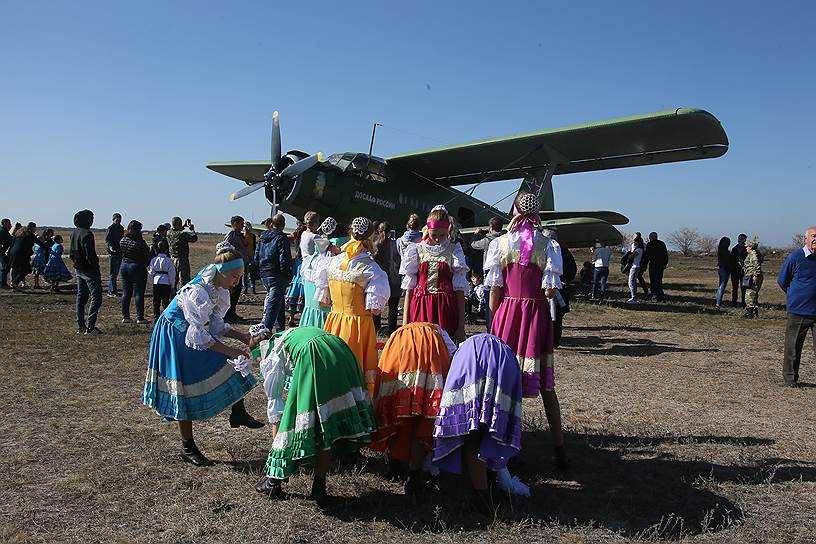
point(204, 307)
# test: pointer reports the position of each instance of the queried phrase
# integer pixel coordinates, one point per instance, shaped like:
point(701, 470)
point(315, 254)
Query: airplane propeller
point(279, 172)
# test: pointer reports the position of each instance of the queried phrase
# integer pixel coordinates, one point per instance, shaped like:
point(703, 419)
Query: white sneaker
point(631, 301)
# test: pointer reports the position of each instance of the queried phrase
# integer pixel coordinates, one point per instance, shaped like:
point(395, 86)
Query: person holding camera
point(179, 238)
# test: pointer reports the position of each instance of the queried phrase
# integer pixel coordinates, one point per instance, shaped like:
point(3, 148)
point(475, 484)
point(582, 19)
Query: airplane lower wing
point(613, 218)
point(669, 136)
point(576, 232)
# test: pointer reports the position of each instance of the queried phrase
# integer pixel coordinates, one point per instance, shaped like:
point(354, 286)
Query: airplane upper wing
point(654, 138)
point(244, 170)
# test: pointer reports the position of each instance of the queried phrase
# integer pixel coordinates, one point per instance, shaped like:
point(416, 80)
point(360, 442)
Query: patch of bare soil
point(677, 428)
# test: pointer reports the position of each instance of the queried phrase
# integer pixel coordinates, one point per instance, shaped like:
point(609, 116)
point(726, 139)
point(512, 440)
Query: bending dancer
point(523, 270)
point(410, 377)
point(356, 288)
point(188, 373)
point(327, 411)
point(436, 277)
point(479, 422)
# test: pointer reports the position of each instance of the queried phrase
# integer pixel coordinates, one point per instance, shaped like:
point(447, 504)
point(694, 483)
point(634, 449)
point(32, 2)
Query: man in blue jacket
point(798, 279)
point(274, 258)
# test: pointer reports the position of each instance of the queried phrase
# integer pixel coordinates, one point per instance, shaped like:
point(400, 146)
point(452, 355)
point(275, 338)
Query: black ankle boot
point(396, 470)
point(191, 454)
point(319, 493)
point(239, 416)
point(271, 487)
point(414, 483)
point(561, 460)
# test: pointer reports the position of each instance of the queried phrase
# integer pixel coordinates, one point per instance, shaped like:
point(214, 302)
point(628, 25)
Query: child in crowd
point(41, 255)
point(435, 276)
point(162, 274)
point(410, 377)
point(586, 276)
point(477, 297)
point(55, 271)
point(479, 422)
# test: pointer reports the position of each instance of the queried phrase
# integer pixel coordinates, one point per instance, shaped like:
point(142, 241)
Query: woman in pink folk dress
point(523, 269)
point(435, 277)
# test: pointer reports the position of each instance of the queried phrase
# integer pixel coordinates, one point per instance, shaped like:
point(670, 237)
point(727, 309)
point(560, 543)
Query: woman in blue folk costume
point(314, 314)
point(191, 373)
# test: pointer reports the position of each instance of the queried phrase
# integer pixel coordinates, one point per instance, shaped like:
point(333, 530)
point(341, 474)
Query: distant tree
point(798, 240)
point(707, 245)
point(685, 240)
point(625, 243)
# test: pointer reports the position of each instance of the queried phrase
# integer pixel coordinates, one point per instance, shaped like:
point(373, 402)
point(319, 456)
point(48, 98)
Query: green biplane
point(346, 185)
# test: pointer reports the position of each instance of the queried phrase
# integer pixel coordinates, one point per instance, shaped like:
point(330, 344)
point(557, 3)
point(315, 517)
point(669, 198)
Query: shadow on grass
point(630, 347)
point(624, 328)
point(629, 485)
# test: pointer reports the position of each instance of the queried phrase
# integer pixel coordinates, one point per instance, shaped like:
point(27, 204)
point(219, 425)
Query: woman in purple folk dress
point(523, 269)
point(479, 422)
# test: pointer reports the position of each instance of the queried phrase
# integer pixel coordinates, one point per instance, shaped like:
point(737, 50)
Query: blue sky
point(118, 106)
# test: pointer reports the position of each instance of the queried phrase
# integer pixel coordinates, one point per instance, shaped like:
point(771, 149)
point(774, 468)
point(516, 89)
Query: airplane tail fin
point(546, 195)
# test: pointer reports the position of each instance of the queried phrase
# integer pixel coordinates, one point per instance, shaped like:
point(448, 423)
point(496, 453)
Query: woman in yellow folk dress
point(356, 288)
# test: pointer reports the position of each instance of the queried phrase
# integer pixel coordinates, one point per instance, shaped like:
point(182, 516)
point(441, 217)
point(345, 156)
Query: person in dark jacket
point(158, 237)
point(112, 238)
point(21, 251)
point(6, 241)
point(738, 254)
point(135, 259)
point(656, 256)
point(88, 276)
point(236, 239)
point(481, 241)
point(723, 267)
point(274, 260)
point(388, 257)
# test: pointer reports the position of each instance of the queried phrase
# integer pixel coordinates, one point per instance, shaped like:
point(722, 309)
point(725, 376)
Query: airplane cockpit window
point(360, 164)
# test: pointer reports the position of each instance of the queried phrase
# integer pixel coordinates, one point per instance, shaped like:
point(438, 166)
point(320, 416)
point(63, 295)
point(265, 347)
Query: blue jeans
point(115, 262)
point(599, 273)
point(134, 280)
point(634, 273)
point(725, 275)
point(88, 286)
point(273, 305)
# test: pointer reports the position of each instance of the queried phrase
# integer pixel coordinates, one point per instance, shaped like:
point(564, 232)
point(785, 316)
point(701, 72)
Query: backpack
point(626, 262)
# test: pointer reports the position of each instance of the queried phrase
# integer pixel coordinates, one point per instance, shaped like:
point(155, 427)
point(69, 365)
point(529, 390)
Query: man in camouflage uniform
point(752, 279)
point(179, 241)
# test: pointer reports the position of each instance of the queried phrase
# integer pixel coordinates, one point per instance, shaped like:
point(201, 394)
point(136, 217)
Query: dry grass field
point(677, 427)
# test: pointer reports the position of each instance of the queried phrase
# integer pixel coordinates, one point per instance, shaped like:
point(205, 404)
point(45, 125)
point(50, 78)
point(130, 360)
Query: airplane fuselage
point(387, 196)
